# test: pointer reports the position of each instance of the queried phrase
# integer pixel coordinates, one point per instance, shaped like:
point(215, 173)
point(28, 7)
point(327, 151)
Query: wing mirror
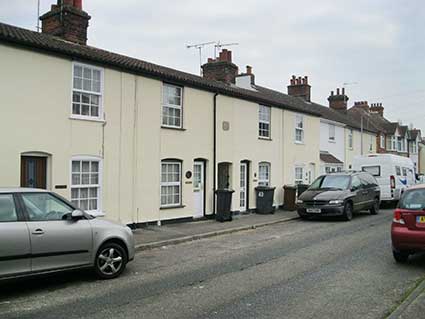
point(77, 214)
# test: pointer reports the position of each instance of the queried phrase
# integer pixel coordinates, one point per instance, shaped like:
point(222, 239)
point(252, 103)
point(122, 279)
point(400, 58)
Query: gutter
point(214, 151)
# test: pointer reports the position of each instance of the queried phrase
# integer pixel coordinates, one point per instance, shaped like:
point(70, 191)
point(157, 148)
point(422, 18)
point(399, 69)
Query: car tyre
point(348, 212)
point(400, 256)
point(374, 210)
point(111, 260)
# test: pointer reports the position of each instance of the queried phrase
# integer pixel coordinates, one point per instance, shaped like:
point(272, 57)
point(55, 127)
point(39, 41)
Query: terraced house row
point(143, 143)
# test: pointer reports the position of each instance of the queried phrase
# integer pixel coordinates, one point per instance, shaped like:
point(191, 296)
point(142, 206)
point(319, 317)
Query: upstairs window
point(87, 92)
point(172, 106)
point(331, 133)
point(299, 129)
point(264, 115)
point(264, 174)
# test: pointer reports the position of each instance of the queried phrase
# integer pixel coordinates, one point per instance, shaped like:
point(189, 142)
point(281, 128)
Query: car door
point(15, 248)
point(57, 240)
point(368, 190)
point(357, 193)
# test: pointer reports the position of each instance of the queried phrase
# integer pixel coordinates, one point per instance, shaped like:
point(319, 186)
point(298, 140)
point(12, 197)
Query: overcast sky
point(377, 44)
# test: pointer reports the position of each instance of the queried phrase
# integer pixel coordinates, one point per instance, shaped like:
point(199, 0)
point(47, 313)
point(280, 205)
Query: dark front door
point(33, 172)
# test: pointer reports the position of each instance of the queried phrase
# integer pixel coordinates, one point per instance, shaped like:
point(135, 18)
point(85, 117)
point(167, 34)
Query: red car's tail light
point(392, 181)
point(398, 218)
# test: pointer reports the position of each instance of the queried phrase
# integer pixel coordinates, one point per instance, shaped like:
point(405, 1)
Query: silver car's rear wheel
point(111, 260)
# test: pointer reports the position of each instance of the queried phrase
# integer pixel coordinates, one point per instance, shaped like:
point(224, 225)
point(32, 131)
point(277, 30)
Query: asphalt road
point(299, 269)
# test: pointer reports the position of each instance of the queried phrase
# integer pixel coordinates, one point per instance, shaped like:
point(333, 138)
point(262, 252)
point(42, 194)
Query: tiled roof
point(371, 121)
point(329, 158)
point(56, 46)
point(324, 111)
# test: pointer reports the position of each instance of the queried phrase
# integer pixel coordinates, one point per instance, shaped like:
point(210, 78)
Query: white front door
point(198, 189)
point(242, 187)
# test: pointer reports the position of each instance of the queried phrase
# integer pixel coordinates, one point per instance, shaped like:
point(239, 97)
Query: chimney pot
point(249, 69)
point(69, 23)
point(337, 91)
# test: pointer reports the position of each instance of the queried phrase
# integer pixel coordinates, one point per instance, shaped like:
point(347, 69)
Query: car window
point(7, 208)
point(368, 180)
point(404, 171)
point(373, 170)
point(331, 181)
point(44, 206)
point(355, 182)
point(398, 170)
point(413, 199)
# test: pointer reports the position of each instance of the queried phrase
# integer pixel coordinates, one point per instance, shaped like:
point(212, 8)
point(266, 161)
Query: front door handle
point(38, 232)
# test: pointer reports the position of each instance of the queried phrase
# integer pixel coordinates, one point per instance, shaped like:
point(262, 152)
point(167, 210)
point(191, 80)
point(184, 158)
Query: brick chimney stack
point(221, 69)
point(67, 20)
point(377, 108)
point(362, 105)
point(339, 100)
point(299, 87)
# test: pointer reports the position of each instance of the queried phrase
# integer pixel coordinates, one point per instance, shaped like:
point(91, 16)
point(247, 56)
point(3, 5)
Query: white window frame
point(298, 180)
point(414, 147)
point(332, 130)
point(171, 184)
point(350, 138)
point(264, 110)
point(393, 143)
point(173, 106)
point(299, 118)
point(264, 181)
point(99, 185)
point(100, 94)
point(382, 141)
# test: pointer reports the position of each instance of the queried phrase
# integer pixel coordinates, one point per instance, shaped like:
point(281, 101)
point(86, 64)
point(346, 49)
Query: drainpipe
point(215, 152)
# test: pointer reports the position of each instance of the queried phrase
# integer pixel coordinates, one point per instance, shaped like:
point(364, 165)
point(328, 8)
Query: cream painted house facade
point(137, 142)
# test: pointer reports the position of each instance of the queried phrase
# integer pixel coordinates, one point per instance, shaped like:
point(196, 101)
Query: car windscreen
point(332, 182)
point(413, 199)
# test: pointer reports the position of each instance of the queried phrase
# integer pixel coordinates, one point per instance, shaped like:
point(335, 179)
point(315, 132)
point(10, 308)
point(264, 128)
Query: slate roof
point(57, 46)
point(329, 158)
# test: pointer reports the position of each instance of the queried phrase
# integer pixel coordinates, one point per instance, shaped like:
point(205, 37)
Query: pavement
point(413, 306)
point(295, 269)
point(157, 236)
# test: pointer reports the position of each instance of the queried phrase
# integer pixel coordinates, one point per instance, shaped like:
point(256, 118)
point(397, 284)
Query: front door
point(15, 248)
point(243, 187)
point(34, 172)
point(198, 189)
point(311, 173)
point(57, 241)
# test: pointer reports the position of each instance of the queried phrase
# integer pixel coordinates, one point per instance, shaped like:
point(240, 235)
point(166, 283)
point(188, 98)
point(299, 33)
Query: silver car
point(41, 232)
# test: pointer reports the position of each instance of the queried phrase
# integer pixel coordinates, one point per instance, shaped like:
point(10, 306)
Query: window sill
point(88, 119)
point(173, 128)
point(265, 138)
point(172, 207)
point(299, 143)
point(332, 141)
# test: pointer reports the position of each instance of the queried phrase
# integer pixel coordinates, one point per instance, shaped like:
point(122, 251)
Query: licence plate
point(315, 210)
point(420, 219)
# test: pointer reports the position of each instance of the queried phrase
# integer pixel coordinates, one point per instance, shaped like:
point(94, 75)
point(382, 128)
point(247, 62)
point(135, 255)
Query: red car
point(408, 227)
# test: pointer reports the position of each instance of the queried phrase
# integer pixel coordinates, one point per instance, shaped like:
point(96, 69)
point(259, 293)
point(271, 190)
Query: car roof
point(420, 186)
point(21, 190)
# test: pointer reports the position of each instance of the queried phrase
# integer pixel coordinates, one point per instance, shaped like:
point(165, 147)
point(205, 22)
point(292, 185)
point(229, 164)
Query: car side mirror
point(77, 214)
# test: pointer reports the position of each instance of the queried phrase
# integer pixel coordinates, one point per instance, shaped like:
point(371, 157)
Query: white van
point(394, 173)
